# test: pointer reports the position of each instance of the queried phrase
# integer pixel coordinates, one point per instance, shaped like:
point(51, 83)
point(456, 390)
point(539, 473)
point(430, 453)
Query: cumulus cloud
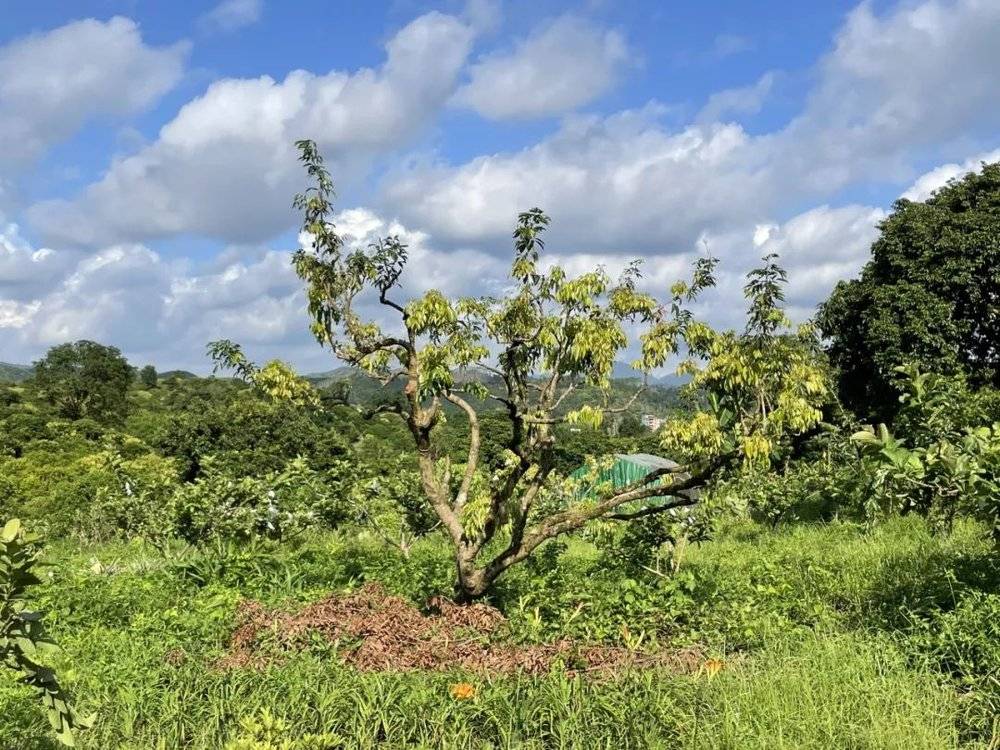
point(225, 166)
point(884, 93)
point(165, 311)
point(564, 65)
point(53, 83)
point(920, 76)
point(151, 307)
point(24, 271)
point(820, 247)
point(162, 310)
point(621, 181)
point(616, 186)
point(938, 177)
point(232, 15)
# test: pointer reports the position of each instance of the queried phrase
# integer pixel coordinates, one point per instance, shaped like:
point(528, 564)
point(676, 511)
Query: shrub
point(942, 460)
point(277, 505)
point(22, 635)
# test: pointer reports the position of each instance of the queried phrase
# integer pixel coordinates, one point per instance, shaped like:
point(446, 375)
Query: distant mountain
point(330, 376)
point(182, 374)
point(15, 373)
point(621, 371)
point(625, 371)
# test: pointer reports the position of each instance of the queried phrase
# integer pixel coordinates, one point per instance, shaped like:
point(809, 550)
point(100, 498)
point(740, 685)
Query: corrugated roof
point(647, 461)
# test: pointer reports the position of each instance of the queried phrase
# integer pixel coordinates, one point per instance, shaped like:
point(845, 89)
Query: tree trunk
point(471, 583)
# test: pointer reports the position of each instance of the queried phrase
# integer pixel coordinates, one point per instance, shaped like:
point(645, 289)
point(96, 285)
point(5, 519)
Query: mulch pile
point(376, 632)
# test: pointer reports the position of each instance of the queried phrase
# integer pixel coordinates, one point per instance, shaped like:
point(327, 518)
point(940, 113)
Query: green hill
point(660, 398)
point(10, 373)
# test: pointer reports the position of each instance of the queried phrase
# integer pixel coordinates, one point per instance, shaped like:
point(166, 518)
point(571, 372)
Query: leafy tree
point(274, 379)
point(85, 379)
point(551, 334)
point(630, 426)
point(148, 377)
point(22, 635)
point(246, 436)
point(276, 505)
point(930, 295)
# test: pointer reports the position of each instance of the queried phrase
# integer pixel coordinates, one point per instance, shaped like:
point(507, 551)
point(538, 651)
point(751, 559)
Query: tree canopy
point(930, 295)
point(85, 379)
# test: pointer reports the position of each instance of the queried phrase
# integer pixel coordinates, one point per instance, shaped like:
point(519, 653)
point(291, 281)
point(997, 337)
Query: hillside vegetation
point(14, 373)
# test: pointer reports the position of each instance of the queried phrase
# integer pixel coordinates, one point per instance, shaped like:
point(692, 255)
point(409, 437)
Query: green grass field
point(831, 637)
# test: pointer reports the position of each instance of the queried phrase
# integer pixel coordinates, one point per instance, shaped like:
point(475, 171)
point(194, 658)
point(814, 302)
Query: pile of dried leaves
point(377, 632)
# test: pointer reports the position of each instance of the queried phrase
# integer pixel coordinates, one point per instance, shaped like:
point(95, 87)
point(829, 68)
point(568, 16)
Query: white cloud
point(564, 65)
point(618, 182)
point(164, 311)
point(885, 94)
point(52, 83)
point(14, 314)
point(617, 186)
point(938, 177)
point(920, 76)
point(25, 271)
point(745, 100)
point(822, 246)
point(226, 167)
point(153, 308)
point(232, 15)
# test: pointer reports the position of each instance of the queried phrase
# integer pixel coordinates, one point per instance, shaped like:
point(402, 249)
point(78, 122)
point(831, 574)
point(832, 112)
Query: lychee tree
point(525, 353)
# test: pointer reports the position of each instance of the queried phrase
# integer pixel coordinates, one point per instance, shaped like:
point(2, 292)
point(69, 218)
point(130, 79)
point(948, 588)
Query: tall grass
point(815, 624)
point(840, 691)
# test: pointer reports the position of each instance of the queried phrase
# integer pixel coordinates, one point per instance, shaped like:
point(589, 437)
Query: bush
point(277, 505)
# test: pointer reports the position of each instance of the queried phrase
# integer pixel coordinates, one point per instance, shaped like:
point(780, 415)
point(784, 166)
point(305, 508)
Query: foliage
point(23, 639)
point(275, 379)
point(825, 480)
point(947, 460)
point(819, 629)
point(135, 499)
point(269, 732)
point(928, 295)
point(85, 379)
point(762, 387)
point(148, 376)
point(277, 505)
point(246, 435)
point(552, 334)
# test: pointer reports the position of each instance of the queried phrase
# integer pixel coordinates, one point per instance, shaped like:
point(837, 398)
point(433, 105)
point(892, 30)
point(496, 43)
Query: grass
point(838, 692)
point(829, 634)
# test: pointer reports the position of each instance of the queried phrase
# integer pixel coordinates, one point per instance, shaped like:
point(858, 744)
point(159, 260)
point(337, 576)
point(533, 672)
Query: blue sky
point(146, 166)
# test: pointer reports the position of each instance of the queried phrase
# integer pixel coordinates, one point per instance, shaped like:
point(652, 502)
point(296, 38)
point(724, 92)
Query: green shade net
point(629, 468)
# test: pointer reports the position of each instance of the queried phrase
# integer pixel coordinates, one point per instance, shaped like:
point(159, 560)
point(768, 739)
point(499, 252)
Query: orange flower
point(712, 667)
point(462, 691)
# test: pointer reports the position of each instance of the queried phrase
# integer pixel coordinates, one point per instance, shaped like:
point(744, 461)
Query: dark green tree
point(630, 426)
point(148, 377)
point(929, 295)
point(85, 379)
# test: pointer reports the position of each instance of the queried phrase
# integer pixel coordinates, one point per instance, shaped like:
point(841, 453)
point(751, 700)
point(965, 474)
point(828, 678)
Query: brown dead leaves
point(376, 632)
